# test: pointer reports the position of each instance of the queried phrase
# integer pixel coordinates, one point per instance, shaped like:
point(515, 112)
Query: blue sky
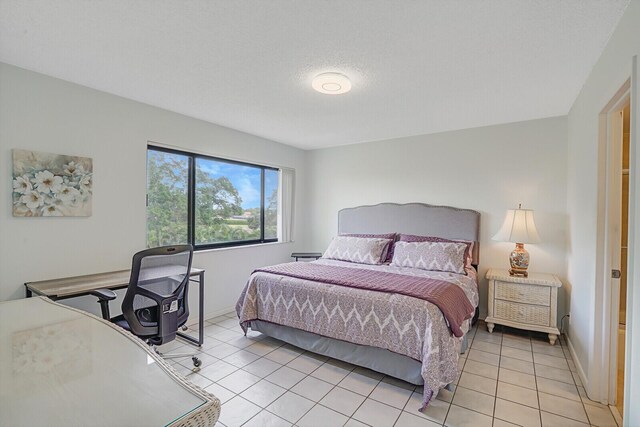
point(246, 179)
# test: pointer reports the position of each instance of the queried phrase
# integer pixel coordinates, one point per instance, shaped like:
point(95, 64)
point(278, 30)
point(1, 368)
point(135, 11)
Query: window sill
point(231, 248)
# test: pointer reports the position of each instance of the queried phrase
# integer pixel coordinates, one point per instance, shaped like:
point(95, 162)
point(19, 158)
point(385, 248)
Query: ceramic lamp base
point(520, 273)
point(519, 260)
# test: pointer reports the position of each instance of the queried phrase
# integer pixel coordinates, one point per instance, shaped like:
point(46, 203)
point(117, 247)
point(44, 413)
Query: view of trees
point(166, 199)
point(270, 216)
point(271, 210)
point(219, 216)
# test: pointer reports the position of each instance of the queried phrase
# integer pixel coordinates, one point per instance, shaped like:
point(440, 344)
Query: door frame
point(611, 134)
point(605, 316)
point(614, 214)
point(632, 388)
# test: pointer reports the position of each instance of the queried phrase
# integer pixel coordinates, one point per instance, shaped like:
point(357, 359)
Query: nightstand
point(306, 255)
point(529, 303)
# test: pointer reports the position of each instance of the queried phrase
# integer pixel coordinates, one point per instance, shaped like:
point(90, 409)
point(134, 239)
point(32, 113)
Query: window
point(209, 202)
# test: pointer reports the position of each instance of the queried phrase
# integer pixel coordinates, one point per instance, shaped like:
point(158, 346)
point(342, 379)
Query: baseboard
point(216, 313)
point(193, 320)
point(616, 414)
point(576, 361)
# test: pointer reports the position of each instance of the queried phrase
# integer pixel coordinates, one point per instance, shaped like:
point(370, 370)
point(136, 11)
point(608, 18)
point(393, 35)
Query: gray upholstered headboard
point(413, 218)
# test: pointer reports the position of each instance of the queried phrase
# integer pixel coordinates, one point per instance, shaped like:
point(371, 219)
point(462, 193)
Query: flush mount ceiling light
point(331, 83)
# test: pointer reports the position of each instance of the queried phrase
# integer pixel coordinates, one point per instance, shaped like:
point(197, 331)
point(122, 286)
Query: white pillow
point(437, 256)
point(358, 249)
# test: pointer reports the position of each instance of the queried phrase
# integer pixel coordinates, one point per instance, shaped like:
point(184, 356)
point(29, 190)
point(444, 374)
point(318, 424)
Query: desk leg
point(200, 339)
point(27, 292)
point(201, 313)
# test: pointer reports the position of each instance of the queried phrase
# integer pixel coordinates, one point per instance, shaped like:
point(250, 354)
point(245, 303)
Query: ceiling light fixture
point(331, 83)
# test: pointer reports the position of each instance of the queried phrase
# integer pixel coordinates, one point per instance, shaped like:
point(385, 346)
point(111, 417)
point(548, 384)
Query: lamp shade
point(518, 227)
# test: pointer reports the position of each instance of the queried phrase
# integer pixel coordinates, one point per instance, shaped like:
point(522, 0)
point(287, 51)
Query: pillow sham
point(358, 249)
point(435, 256)
point(392, 236)
point(414, 238)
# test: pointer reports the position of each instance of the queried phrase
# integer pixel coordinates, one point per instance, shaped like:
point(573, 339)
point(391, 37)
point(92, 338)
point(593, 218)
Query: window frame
point(191, 197)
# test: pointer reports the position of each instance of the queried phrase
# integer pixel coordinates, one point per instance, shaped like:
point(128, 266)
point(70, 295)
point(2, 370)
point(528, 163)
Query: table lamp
point(519, 228)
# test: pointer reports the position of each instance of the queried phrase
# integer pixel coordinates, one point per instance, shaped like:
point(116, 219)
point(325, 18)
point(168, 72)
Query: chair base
point(194, 359)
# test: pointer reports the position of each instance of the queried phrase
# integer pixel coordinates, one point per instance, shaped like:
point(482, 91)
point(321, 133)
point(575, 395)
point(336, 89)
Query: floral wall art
point(46, 184)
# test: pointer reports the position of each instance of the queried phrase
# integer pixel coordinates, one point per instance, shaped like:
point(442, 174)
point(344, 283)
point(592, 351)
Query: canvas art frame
point(51, 185)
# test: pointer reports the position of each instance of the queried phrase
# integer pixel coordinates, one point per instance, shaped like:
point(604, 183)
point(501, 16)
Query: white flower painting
point(47, 184)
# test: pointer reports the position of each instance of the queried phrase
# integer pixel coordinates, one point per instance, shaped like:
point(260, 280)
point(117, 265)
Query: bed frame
point(411, 218)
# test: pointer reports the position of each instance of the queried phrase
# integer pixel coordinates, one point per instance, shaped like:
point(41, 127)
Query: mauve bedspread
point(403, 324)
point(448, 297)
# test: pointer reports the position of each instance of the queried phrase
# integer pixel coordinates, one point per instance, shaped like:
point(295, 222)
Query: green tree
point(216, 200)
point(166, 199)
point(271, 216)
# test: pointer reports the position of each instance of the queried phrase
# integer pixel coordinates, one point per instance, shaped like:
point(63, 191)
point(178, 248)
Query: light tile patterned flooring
point(507, 378)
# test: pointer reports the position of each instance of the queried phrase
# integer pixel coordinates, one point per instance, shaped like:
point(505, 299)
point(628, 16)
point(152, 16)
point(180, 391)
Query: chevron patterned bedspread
point(448, 297)
point(403, 324)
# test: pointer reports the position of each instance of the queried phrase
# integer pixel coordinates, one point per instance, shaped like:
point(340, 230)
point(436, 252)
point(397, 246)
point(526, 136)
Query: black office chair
point(156, 302)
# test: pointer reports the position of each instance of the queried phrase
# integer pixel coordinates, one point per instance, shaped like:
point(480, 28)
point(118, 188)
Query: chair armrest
point(104, 294)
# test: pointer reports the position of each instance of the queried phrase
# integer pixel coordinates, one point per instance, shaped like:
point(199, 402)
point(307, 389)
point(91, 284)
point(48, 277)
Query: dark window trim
point(191, 197)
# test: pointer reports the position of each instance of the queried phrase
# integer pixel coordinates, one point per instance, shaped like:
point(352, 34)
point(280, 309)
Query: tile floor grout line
point(584, 404)
point(316, 402)
point(576, 387)
point(466, 359)
point(495, 396)
point(365, 399)
point(584, 408)
point(455, 390)
point(495, 399)
point(261, 411)
point(295, 384)
point(535, 376)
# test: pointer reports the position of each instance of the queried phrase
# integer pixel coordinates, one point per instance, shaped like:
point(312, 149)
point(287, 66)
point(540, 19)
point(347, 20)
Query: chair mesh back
point(162, 274)
point(161, 271)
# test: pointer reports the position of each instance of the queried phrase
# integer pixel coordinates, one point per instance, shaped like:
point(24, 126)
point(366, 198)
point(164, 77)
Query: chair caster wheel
point(196, 362)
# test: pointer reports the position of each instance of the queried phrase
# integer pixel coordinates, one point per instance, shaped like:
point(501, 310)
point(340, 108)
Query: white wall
point(45, 114)
point(489, 169)
point(585, 180)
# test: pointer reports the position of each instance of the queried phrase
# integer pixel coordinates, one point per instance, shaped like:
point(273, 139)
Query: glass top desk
point(71, 287)
point(63, 367)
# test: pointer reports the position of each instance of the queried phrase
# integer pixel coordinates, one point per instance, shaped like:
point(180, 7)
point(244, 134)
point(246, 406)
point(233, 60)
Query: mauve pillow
point(434, 256)
point(414, 238)
point(391, 236)
point(357, 249)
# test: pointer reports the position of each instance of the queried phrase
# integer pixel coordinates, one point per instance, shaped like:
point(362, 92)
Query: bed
point(392, 332)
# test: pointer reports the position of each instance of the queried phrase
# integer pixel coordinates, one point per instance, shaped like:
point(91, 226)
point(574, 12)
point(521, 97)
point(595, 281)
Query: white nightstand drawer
point(522, 313)
point(518, 292)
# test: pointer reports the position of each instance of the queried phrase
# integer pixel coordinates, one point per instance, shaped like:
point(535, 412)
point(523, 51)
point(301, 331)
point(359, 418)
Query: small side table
point(303, 255)
point(529, 303)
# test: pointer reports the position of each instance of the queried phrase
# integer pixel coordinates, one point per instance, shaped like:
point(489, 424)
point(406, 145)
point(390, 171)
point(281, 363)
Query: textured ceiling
point(417, 67)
